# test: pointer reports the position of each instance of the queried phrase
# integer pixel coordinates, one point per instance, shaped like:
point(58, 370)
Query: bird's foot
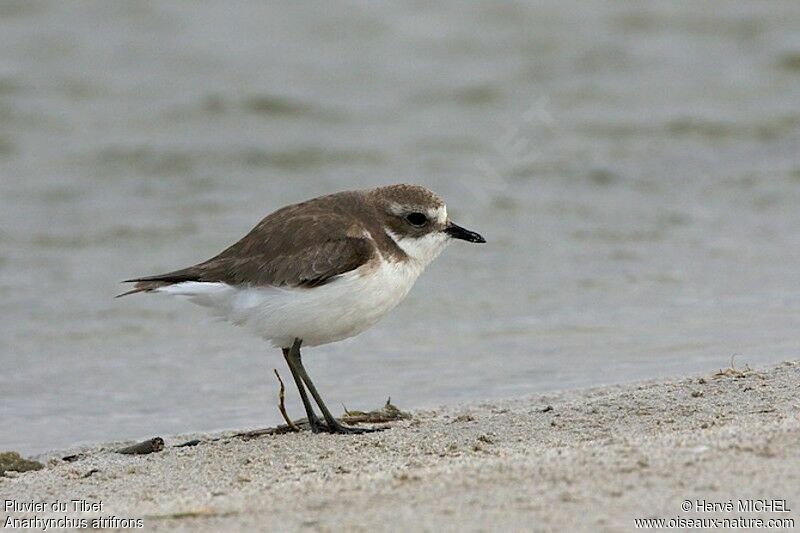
point(350, 430)
point(317, 425)
point(339, 429)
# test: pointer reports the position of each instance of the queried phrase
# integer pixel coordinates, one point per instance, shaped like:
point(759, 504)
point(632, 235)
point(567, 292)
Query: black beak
point(457, 232)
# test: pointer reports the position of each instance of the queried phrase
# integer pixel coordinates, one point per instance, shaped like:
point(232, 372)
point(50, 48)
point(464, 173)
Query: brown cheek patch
point(397, 226)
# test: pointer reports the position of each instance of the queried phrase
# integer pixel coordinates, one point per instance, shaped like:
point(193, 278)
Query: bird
point(318, 272)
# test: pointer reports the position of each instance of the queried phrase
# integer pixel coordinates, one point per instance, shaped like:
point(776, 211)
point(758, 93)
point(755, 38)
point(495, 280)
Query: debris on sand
point(154, 445)
point(14, 462)
point(387, 413)
point(733, 372)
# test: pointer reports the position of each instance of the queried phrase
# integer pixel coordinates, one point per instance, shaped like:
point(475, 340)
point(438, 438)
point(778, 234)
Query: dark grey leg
point(313, 421)
point(333, 425)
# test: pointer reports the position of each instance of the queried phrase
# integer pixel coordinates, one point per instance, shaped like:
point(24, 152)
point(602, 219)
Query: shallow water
point(636, 171)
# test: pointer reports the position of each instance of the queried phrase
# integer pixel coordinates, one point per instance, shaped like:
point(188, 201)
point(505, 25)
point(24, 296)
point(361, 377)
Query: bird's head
point(416, 220)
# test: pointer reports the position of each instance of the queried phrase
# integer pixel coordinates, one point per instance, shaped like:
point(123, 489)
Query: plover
point(320, 271)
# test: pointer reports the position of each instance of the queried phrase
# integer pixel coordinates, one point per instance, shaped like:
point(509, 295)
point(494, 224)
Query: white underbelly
point(337, 310)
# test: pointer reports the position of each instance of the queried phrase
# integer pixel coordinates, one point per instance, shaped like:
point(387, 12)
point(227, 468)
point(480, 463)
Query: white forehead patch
point(439, 214)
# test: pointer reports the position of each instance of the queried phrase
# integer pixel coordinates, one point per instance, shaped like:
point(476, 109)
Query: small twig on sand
point(281, 405)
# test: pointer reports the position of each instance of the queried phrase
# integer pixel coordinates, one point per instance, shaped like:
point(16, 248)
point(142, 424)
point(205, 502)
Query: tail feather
point(143, 286)
point(151, 283)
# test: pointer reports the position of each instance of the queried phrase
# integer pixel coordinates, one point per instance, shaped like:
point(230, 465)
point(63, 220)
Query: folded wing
point(286, 249)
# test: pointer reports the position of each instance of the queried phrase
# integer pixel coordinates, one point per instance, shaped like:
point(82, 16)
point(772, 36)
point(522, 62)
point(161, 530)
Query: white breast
point(340, 309)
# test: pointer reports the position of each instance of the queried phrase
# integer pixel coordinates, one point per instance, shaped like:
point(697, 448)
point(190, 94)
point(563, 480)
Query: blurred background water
point(634, 166)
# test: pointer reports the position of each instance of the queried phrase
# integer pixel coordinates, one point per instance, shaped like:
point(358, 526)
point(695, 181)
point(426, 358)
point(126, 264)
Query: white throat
point(422, 250)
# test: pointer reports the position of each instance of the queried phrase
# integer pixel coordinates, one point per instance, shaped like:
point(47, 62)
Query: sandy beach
point(594, 459)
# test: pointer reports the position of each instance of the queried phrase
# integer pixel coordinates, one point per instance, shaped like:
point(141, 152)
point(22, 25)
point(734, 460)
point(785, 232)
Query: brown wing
point(292, 247)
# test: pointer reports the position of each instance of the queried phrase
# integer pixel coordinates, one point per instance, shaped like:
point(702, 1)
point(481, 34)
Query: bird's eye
point(416, 219)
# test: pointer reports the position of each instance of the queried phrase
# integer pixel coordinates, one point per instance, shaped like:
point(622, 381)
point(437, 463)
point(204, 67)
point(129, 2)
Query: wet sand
point(592, 459)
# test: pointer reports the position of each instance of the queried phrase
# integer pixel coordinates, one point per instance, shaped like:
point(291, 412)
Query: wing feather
point(292, 247)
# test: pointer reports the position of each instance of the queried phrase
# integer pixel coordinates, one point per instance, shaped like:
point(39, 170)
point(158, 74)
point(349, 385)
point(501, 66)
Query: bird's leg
point(313, 421)
point(333, 425)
